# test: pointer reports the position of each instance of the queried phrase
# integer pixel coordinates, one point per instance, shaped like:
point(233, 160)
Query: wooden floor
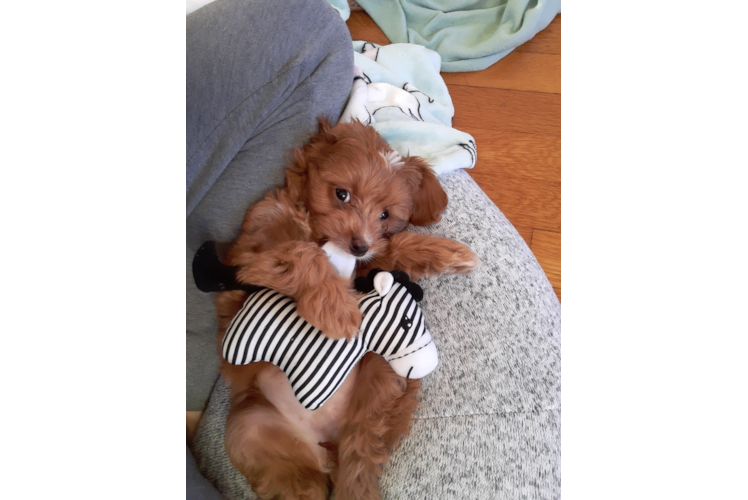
point(513, 110)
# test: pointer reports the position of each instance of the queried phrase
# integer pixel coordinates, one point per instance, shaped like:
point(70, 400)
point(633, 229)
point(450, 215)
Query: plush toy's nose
point(417, 360)
point(359, 247)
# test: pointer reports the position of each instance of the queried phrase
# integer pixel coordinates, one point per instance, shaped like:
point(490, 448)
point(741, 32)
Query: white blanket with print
point(397, 89)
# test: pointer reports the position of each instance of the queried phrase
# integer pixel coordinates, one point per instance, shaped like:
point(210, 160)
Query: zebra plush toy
point(268, 328)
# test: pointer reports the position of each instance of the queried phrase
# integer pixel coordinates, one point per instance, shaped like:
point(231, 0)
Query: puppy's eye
point(343, 195)
point(384, 215)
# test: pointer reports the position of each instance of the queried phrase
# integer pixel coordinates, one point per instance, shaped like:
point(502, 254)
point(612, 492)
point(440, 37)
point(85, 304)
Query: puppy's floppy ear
point(429, 198)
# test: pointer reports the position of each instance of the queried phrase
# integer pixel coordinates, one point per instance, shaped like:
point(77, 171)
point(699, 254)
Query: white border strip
point(617, 160)
point(660, 221)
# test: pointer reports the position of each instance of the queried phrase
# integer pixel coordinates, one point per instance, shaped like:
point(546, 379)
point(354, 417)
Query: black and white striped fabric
point(268, 328)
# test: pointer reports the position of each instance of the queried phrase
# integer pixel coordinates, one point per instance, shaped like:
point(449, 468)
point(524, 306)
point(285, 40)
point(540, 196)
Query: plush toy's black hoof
point(211, 275)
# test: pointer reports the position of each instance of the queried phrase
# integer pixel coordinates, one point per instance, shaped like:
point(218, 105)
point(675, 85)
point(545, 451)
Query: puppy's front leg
point(302, 271)
point(423, 255)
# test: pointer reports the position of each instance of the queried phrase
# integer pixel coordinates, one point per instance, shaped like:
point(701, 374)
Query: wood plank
point(363, 27)
point(526, 233)
point(519, 172)
point(546, 246)
point(517, 71)
point(547, 41)
point(506, 110)
point(525, 202)
point(530, 155)
point(558, 292)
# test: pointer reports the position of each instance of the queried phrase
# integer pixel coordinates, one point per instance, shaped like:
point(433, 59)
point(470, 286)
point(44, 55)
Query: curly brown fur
point(262, 444)
point(421, 255)
point(284, 450)
point(378, 416)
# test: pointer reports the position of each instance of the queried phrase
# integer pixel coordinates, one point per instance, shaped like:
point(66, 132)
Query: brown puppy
point(347, 186)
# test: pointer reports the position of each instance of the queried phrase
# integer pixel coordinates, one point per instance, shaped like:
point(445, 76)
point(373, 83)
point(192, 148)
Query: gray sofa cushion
point(489, 422)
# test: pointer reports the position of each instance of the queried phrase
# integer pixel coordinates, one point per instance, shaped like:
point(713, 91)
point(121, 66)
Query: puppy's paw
point(455, 258)
point(331, 308)
point(267, 269)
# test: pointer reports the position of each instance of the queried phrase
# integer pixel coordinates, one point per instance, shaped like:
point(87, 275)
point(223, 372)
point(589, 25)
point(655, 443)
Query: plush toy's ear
point(211, 275)
point(415, 291)
point(368, 283)
point(365, 284)
point(402, 277)
point(383, 283)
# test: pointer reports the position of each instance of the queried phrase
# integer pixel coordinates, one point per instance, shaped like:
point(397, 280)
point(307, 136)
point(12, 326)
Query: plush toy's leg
point(423, 255)
point(378, 416)
point(302, 271)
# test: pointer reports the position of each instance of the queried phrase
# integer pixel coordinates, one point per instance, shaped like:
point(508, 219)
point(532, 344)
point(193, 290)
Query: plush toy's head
point(393, 323)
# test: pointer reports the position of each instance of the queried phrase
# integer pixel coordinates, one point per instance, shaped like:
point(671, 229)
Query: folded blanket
point(397, 89)
point(470, 35)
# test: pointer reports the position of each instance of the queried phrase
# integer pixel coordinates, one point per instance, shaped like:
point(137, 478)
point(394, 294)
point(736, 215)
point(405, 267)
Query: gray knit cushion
point(489, 422)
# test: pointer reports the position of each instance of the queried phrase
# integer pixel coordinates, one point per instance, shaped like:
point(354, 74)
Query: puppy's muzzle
point(358, 247)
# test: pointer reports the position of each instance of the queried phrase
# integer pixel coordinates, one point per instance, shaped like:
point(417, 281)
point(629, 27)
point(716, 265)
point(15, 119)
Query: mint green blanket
point(397, 89)
point(470, 35)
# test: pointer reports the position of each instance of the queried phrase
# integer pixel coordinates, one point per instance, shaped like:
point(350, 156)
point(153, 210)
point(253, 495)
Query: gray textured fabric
point(489, 422)
point(257, 78)
point(198, 488)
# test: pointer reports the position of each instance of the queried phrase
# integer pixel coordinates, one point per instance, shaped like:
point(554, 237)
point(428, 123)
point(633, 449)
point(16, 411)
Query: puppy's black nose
point(358, 247)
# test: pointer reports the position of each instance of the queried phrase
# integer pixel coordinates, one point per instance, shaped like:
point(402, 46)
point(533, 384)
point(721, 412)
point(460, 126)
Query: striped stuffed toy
point(268, 328)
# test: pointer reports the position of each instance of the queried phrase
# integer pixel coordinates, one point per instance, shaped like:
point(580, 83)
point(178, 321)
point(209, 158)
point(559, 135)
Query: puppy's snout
point(359, 247)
